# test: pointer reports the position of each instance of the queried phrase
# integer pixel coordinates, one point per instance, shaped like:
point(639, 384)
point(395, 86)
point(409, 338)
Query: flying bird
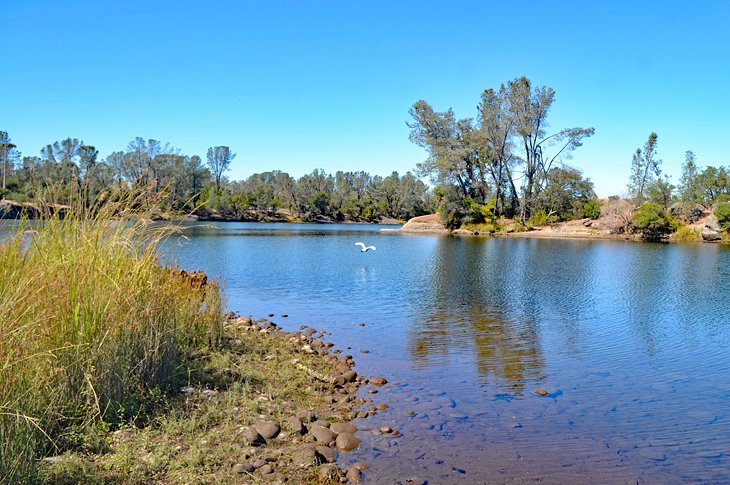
point(364, 248)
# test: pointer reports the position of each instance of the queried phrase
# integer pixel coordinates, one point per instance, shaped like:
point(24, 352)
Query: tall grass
point(91, 326)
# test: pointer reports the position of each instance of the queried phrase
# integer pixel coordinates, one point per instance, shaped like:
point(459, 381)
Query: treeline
point(504, 162)
point(69, 169)
point(697, 185)
point(665, 207)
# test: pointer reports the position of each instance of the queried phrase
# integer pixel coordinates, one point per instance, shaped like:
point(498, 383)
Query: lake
point(631, 341)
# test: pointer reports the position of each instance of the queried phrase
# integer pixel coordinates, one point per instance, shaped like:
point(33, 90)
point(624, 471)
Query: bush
point(539, 218)
point(91, 324)
point(686, 234)
point(592, 209)
point(722, 212)
point(653, 222)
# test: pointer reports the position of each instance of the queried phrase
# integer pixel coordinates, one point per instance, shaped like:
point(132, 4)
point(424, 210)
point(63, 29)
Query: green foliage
point(686, 234)
point(653, 222)
point(722, 212)
point(644, 169)
point(538, 219)
point(592, 209)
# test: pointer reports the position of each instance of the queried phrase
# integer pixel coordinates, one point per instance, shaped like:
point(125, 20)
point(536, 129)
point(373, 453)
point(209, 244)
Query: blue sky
point(327, 84)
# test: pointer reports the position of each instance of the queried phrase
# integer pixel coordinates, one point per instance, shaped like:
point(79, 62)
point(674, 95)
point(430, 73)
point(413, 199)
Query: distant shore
point(586, 229)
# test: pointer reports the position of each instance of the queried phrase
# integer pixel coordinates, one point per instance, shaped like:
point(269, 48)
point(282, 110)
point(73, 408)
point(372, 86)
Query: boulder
point(346, 442)
point(252, 438)
point(343, 428)
point(713, 224)
point(710, 235)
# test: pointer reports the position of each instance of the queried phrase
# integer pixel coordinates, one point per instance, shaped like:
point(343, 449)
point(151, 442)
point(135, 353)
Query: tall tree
point(689, 190)
point(8, 155)
point(219, 161)
point(644, 169)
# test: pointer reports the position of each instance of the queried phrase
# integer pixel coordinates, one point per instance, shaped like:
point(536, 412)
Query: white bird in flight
point(364, 248)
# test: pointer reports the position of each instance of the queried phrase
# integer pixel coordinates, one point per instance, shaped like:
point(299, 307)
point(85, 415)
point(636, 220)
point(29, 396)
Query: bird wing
point(370, 247)
point(361, 244)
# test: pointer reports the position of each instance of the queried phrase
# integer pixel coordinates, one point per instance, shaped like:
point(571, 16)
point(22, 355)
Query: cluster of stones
point(317, 440)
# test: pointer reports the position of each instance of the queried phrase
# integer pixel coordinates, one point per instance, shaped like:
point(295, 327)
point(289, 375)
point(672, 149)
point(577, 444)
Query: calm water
point(632, 341)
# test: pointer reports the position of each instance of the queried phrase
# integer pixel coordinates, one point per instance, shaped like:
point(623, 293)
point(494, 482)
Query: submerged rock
point(346, 442)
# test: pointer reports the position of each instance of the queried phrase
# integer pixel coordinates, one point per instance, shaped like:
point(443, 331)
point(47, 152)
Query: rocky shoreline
point(707, 229)
point(310, 438)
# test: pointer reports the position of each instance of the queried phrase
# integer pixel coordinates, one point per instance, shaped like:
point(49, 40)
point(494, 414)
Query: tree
point(8, 155)
point(565, 193)
point(652, 221)
point(661, 192)
point(219, 161)
point(689, 190)
point(644, 169)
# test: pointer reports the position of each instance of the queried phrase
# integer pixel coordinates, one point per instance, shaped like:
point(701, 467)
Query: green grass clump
point(686, 234)
point(92, 329)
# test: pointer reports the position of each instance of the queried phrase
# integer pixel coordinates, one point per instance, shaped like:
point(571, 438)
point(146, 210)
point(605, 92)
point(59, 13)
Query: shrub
point(539, 218)
point(722, 212)
point(653, 222)
point(592, 209)
point(686, 234)
point(91, 323)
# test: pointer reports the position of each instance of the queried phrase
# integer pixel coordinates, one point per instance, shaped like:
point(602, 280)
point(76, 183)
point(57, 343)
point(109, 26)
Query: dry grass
point(92, 330)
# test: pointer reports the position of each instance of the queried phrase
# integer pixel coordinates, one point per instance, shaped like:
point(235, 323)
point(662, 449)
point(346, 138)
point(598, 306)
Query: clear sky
point(298, 85)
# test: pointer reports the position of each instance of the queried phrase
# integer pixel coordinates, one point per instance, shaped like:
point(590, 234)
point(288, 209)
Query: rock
point(296, 426)
point(321, 422)
point(361, 324)
point(346, 442)
point(267, 429)
point(187, 389)
point(305, 457)
point(378, 381)
point(310, 331)
point(381, 407)
point(713, 224)
point(326, 454)
point(252, 437)
point(284, 315)
point(339, 380)
point(365, 351)
point(243, 468)
point(270, 315)
point(540, 392)
point(266, 470)
point(385, 429)
point(343, 428)
point(321, 434)
point(373, 391)
point(353, 475)
point(710, 235)
point(306, 416)
point(360, 466)
point(350, 375)
point(328, 473)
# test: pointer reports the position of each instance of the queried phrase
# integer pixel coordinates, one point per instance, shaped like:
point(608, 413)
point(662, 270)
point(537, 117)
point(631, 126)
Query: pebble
point(284, 315)
point(385, 429)
point(305, 457)
point(243, 468)
point(296, 426)
point(252, 438)
point(346, 442)
point(343, 428)
point(267, 429)
point(306, 416)
point(373, 391)
point(327, 454)
point(378, 381)
point(381, 407)
point(322, 423)
point(365, 351)
point(361, 324)
point(540, 392)
point(353, 475)
point(266, 470)
point(328, 473)
point(321, 434)
point(350, 376)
